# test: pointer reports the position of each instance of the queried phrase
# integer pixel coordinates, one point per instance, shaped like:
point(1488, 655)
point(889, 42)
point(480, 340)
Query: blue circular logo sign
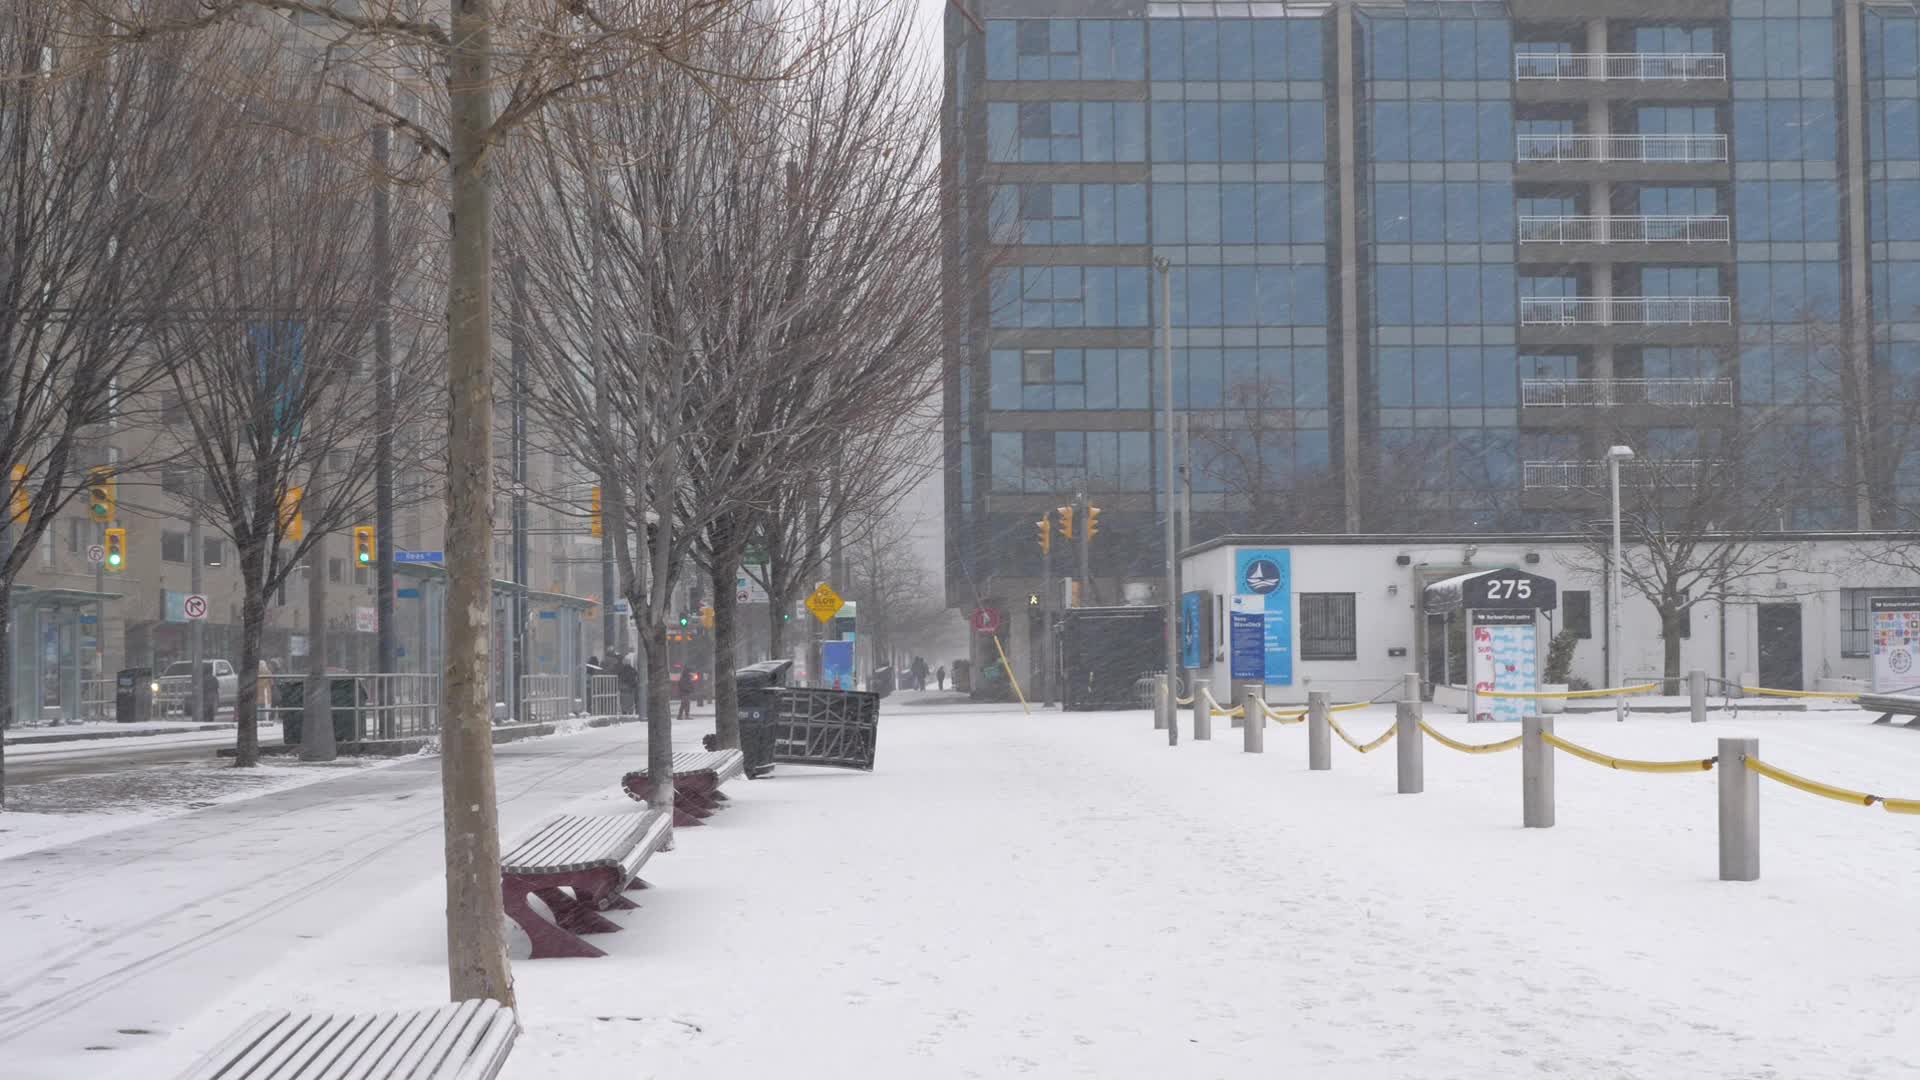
point(1263, 576)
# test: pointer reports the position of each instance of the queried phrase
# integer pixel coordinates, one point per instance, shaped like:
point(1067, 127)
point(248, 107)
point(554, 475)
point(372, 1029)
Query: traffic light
point(1046, 536)
point(293, 526)
point(22, 500)
point(100, 495)
point(595, 526)
point(1093, 521)
point(363, 548)
point(1066, 522)
point(706, 617)
point(116, 550)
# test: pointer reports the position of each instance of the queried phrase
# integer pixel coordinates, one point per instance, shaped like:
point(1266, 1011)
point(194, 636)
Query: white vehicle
point(173, 690)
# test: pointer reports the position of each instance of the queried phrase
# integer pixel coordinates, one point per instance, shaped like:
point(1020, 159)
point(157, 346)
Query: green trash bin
point(289, 699)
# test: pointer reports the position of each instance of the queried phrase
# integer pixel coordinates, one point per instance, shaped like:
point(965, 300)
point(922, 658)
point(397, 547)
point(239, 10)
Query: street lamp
point(1164, 268)
point(1615, 455)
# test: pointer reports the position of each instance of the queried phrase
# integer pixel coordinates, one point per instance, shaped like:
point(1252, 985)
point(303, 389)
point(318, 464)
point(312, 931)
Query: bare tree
point(897, 605)
point(99, 208)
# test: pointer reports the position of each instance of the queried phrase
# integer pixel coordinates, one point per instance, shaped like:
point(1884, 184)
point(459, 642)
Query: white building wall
point(1386, 593)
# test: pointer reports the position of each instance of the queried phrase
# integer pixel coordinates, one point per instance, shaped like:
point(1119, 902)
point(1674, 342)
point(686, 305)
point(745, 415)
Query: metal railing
point(97, 699)
point(1571, 393)
point(1620, 67)
point(1625, 310)
point(603, 695)
point(399, 705)
point(547, 697)
point(1625, 229)
point(1592, 475)
point(1642, 148)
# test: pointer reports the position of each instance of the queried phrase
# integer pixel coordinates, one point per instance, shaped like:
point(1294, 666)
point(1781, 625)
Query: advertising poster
point(1268, 573)
point(1505, 658)
point(836, 664)
point(1894, 627)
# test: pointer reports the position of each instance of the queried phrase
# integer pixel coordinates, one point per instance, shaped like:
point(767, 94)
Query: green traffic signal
point(113, 559)
point(683, 620)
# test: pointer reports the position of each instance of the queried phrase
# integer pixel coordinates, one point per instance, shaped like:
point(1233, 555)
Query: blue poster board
point(836, 664)
point(1192, 629)
point(1268, 573)
point(1248, 638)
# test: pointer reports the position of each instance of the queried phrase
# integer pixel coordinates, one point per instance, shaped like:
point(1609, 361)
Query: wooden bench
point(598, 857)
point(697, 776)
point(1892, 705)
point(467, 1040)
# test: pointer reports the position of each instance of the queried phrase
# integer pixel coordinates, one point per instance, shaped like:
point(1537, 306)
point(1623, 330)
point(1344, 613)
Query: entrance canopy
point(1504, 589)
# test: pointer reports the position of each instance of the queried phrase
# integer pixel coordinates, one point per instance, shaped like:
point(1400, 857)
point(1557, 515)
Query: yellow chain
point(1467, 747)
point(1628, 764)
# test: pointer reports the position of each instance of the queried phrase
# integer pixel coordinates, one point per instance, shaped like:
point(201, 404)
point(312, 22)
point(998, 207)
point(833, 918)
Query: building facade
point(1428, 262)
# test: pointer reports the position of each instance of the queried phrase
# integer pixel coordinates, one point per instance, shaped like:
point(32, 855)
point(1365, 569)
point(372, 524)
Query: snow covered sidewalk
point(1066, 896)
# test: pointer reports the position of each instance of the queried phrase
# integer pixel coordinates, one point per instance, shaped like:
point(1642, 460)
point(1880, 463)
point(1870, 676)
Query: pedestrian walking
point(629, 686)
point(686, 693)
point(940, 676)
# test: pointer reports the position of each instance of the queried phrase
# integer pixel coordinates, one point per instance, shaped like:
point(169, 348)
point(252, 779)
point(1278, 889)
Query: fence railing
point(97, 699)
point(399, 705)
point(1625, 229)
point(603, 695)
point(1620, 67)
point(1581, 475)
point(1625, 310)
point(547, 697)
point(1670, 149)
point(1577, 393)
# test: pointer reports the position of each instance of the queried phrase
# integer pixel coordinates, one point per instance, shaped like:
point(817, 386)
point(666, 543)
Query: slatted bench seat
point(697, 776)
point(597, 856)
point(1892, 705)
point(466, 1040)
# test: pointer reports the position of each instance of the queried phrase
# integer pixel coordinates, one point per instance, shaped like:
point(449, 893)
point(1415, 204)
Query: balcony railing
point(1621, 67)
point(1625, 310)
point(1548, 393)
point(1625, 229)
point(1658, 149)
point(1592, 475)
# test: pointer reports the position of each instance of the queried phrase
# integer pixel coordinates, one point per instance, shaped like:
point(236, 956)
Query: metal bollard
point(1319, 735)
point(1536, 772)
point(1739, 811)
point(1241, 720)
point(1254, 723)
point(1202, 713)
point(1412, 749)
point(1697, 695)
point(1162, 703)
point(1410, 686)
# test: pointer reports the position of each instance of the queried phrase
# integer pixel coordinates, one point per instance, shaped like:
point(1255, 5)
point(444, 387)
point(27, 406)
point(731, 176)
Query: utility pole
point(99, 605)
point(517, 278)
point(1085, 553)
point(1186, 481)
point(388, 659)
point(1171, 634)
point(1045, 651)
point(316, 735)
point(603, 407)
point(196, 629)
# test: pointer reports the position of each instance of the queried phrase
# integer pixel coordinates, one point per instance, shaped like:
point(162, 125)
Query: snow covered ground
point(1055, 895)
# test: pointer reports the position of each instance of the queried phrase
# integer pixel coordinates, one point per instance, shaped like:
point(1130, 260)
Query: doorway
point(1780, 646)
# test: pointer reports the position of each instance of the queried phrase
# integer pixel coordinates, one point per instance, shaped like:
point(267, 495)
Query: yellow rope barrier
point(1828, 791)
point(1762, 691)
point(1467, 747)
point(1369, 747)
point(1279, 717)
point(1628, 764)
point(1618, 691)
point(1214, 708)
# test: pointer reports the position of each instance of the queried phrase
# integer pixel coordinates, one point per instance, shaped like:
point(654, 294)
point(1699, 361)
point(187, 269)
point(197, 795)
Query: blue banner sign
point(1193, 631)
point(1247, 635)
point(419, 556)
point(1268, 573)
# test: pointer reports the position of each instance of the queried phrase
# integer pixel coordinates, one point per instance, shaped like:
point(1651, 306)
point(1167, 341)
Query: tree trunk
point(477, 965)
point(659, 715)
point(1671, 625)
point(726, 708)
point(253, 620)
point(6, 680)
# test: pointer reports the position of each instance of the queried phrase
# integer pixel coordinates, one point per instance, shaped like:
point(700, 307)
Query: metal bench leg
point(685, 818)
point(548, 940)
point(637, 884)
point(575, 913)
point(1885, 718)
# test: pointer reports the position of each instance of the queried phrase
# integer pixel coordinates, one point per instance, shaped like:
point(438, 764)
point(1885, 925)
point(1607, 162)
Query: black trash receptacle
point(133, 695)
point(289, 698)
point(757, 691)
point(881, 681)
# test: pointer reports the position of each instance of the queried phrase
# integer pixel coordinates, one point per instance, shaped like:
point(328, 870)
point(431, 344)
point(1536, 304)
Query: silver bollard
point(1697, 695)
point(1536, 772)
point(1739, 811)
point(1319, 735)
point(1254, 723)
point(1412, 748)
point(1162, 703)
point(1410, 686)
point(1202, 713)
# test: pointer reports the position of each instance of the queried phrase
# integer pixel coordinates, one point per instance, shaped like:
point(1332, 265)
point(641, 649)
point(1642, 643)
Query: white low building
point(1344, 614)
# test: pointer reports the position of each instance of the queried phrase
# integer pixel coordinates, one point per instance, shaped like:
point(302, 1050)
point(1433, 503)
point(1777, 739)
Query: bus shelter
point(549, 645)
point(1500, 610)
point(55, 645)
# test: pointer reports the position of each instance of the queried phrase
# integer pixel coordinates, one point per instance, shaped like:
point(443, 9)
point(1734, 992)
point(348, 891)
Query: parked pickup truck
point(173, 690)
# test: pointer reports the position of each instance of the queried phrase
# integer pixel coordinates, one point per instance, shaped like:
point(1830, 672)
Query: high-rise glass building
point(1429, 260)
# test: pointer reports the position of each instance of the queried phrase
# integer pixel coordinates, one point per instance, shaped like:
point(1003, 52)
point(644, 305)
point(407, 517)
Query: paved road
point(112, 942)
point(38, 763)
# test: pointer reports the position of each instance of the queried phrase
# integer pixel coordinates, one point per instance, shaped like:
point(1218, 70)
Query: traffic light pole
point(1086, 548)
point(100, 606)
point(196, 633)
point(1045, 651)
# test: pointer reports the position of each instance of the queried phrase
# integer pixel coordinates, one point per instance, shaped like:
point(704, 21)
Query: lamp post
point(1165, 269)
point(1615, 455)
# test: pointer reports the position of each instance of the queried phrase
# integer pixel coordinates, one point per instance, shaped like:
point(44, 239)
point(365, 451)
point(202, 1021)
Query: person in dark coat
point(629, 686)
point(686, 693)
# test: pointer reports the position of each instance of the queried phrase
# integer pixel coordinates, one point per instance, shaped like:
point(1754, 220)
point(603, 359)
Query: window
point(1577, 606)
point(213, 551)
point(336, 569)
point(173, 547)
point(1327, 627)
point(359, 575)
point(1856, 621)
point(75, 528)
